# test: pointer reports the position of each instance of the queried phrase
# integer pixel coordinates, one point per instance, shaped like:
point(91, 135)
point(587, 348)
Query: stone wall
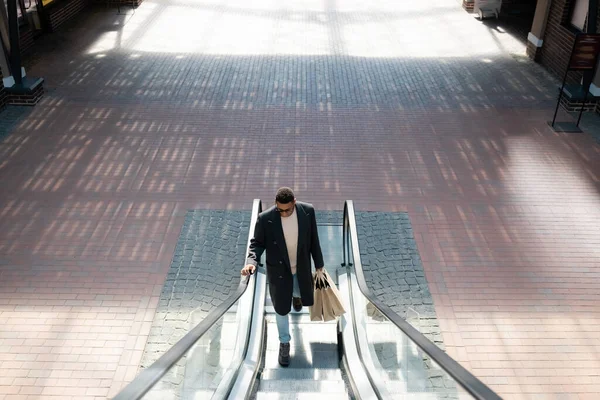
point(62, 11)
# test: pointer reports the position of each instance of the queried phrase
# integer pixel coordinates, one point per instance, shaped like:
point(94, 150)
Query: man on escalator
point(288, 233)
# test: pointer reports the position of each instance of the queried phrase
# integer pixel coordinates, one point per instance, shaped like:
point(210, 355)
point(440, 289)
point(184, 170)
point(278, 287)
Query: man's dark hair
point(284, 195)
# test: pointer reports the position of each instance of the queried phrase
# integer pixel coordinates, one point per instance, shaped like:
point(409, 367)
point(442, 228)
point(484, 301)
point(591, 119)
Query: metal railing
point(464, 378)
point(150, 376)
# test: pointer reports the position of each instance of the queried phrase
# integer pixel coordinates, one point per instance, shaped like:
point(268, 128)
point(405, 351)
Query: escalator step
point(326, 360)
point(302, 396)
point(269, 309)
point(302, 386)
point(327, 374)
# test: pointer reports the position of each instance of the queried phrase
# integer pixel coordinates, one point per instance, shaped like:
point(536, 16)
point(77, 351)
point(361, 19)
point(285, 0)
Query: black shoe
point(284, 354)
point(297, 302)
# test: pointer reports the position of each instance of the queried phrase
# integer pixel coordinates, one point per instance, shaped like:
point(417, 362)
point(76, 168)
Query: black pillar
point(15, 51)
point(592, 16)
point(588, 76)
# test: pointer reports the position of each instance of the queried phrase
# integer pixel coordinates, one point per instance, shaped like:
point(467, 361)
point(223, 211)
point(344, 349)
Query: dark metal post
point(15, 51)
point(559, 96)
point(583, 105)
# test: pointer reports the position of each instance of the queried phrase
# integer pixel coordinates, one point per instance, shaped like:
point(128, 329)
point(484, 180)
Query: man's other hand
point(248, 269)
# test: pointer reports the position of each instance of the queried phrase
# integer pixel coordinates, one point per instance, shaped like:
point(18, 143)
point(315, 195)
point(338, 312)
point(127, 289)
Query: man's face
point(285, 210)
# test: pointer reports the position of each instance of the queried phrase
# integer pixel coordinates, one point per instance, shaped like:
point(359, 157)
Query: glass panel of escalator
point(399, 368)
point(200, 372)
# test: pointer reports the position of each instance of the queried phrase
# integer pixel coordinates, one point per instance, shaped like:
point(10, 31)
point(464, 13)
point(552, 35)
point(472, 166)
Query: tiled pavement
point(191, 104)
point(201, 276)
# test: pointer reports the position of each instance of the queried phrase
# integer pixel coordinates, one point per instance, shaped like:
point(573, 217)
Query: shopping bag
point(316, 310)
point(332, 301)
point(328, 314)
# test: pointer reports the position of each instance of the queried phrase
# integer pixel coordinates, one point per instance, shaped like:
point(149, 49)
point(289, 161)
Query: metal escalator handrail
point(463, 377)
point(151, 375)
point(137, 388)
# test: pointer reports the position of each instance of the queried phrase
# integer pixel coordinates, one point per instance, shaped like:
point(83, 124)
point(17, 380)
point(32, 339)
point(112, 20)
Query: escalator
point(314, 371)
point(369, 353)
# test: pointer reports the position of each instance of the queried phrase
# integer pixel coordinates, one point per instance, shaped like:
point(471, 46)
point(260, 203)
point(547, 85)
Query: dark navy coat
point(268, 235)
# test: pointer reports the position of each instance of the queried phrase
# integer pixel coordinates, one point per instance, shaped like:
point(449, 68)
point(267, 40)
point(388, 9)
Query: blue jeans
point(283, 321)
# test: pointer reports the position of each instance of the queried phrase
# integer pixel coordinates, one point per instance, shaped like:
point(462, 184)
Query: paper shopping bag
point(332, 301)
point(328, 314)
point(316, 310)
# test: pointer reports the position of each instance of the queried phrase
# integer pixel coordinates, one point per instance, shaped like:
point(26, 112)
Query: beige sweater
point(290, 232)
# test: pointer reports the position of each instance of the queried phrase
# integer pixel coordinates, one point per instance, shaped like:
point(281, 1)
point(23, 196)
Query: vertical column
point(593, 27)
point(3, 52)
point(15, 50)
point(20, 89)
point(4, 40)
point(535, 39)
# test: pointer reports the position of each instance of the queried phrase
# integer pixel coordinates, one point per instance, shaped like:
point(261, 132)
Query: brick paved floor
point(191, 104)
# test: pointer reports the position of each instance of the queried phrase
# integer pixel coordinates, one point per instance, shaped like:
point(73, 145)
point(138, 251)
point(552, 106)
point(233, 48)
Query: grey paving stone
point(394, 273)
point(200, 277)
point(393, 268)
